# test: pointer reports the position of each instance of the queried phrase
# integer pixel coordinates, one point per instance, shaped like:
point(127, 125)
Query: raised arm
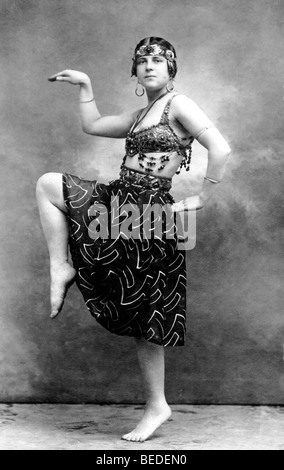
point(199, 126)
point(91, 119)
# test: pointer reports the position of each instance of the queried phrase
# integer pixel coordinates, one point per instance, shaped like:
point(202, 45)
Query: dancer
point(132, 285)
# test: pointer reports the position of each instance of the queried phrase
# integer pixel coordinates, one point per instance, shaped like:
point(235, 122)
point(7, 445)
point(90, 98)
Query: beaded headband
point(154, 49)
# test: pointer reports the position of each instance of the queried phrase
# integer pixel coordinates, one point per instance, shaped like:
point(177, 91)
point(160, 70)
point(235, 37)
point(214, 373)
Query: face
point(152, 72)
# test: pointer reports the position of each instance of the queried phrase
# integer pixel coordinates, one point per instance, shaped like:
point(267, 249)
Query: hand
point(70, 76)
point(192, 203)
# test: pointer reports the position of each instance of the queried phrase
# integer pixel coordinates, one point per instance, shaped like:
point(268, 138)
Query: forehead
point(149, 56)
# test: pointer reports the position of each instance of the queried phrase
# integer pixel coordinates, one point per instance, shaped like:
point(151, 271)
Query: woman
point(132, 285)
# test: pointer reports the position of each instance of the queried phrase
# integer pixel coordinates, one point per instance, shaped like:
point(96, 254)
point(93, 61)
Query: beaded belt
point(138, 178)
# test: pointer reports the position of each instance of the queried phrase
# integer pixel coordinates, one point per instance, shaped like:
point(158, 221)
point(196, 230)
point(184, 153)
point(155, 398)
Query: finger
point(62, 79)
point(64, 73)
point(53, 77)
point(57, 79)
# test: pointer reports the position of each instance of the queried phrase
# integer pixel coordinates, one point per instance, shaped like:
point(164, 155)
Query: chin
point(154, 86)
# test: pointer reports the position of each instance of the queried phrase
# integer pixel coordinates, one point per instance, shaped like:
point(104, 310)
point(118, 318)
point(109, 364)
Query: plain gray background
point(231, 63)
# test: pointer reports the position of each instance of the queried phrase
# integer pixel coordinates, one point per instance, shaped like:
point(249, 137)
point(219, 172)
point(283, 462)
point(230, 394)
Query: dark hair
point(172, 65)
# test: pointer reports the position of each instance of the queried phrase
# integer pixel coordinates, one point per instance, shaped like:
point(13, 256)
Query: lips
point(150, 76)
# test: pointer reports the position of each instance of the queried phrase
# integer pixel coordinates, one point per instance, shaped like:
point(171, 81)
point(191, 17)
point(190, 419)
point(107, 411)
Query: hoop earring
point(169, 90)
point(136, 91)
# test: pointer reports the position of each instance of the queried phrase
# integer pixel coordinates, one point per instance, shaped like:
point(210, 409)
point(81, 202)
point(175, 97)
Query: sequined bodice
point(160, 137)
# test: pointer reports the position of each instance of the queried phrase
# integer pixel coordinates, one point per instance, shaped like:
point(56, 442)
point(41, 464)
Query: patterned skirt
point(124, 246)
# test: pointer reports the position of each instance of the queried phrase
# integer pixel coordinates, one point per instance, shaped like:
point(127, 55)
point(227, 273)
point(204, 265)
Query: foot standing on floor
point(152, 365)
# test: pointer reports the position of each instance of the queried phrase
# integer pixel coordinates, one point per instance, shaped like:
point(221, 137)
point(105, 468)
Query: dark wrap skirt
point(133, 285)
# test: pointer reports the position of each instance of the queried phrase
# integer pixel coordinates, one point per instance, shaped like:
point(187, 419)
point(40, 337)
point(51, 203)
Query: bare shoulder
point(182, 103)
point(132, 116)
point(190, 115)
point(126, 120)
point(135, 113)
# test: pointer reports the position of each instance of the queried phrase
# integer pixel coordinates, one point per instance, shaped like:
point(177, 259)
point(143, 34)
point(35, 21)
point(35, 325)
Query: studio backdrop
point(231, 63)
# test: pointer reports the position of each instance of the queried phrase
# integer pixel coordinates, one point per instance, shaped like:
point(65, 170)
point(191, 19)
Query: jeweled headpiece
point(155, 49)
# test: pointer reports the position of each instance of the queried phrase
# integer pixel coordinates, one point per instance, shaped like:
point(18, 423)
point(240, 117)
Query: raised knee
point(43, 182)
point(47, 183)
point(49, 186)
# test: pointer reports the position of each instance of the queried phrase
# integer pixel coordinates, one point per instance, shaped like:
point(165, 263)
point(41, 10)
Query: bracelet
point(211, 180)
point(82, 102)
point(202, 132)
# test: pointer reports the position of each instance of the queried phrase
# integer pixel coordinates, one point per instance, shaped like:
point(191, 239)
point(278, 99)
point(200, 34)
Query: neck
point(153, 95)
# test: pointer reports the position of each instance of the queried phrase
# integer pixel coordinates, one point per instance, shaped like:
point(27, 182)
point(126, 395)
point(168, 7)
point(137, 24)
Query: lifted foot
point(153, 418)
point(62, 277)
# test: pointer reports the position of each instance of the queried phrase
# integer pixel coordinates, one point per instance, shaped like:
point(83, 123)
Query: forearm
point(89, 112)
point(217, 160)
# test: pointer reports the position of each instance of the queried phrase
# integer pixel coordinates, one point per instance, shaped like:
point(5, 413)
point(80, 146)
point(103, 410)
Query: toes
point(56, 308)
point(139, 438)
point(134, 437)
point(61, 279)
point(129, 437)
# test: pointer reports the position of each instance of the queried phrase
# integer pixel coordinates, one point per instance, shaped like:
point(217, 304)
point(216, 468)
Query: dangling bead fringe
point(186, 161)
point(163, 160)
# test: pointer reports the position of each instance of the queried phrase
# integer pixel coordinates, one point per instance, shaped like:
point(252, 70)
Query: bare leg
point(157, 411)
point(52, 214)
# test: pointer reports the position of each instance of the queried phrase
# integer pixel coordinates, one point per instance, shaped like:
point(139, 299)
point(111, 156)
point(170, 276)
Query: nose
point(149, 65)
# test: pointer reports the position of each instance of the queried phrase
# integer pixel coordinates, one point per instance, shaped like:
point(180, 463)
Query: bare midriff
point(168, 172)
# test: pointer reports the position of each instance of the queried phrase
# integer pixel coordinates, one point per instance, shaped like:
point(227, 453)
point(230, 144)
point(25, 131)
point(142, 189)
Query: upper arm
point(112, 126)
point(194, 120)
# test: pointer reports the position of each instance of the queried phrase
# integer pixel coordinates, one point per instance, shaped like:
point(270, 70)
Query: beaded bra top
point(160, 138)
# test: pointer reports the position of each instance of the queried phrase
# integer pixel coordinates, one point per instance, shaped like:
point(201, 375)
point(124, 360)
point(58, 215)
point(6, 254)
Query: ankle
point(58, 263)
point(157, 403)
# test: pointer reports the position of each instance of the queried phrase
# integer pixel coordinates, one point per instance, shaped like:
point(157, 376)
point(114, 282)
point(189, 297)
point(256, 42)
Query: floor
point(95, 427)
